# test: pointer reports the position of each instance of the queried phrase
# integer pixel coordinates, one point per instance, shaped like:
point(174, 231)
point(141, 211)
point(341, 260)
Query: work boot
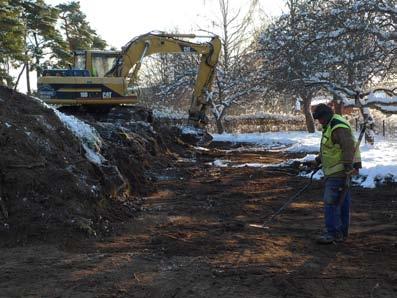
point(341, 238)
point(328, 238)
point(345, 235)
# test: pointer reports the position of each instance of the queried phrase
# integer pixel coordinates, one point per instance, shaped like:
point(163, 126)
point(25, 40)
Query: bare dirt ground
point(191, 238)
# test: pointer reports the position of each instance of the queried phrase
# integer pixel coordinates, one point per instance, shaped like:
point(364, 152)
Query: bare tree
point(235, 78)
point(285, 61)
point(341, 46)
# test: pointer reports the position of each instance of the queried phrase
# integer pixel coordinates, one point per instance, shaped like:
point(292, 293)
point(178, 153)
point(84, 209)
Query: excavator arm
point(129, 61)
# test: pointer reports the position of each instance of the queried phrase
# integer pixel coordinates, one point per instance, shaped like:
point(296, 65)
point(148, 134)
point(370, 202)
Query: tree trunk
point(219, 126)
point(38, 67)
point(368, 121)
point(311, 128)
point(19, 77)
point(29, 91)
point(26, 63)
point(7, 78)
point(218, 116)
point(338, 105)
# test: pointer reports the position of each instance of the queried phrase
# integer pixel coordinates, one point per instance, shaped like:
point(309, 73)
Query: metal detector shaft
point(291, 199)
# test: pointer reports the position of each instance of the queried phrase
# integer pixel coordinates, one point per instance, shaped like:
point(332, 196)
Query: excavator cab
point(87, 63)
point(98, 63)
point(85, 83)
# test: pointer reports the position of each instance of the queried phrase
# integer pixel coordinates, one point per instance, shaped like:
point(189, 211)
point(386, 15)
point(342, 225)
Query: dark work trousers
point(337, 218)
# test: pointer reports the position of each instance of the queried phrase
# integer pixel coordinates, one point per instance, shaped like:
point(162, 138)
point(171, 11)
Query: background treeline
point(339, 49)
point(36, 36)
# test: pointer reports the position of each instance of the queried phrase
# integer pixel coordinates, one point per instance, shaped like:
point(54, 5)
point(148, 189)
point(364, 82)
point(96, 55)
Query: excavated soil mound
point(48, 184)
point(134, 143)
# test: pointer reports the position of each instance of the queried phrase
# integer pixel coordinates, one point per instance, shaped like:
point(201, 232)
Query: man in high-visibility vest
point(340, 159)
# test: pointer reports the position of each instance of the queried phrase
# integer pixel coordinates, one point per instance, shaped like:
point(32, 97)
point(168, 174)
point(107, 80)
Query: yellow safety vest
point(331, 154)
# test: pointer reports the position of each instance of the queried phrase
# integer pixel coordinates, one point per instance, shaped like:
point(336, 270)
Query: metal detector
point(287, 203)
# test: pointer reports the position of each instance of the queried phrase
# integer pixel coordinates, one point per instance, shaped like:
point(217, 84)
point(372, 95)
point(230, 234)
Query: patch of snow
point(82, 130)
point(7, 125)
point(270, 116)
point(190, 130)
point(165, 177)
point(201, 149)
point(348, 102)
point(391, 109)
point(187, 160)
point(381, 97)
point(93, 156)
point(317, 176)
point(379, 162)
point(320, 99)
point(169, 114)
point(227, 163)
point(43, 122)
point(255, 165)
point(94, 189)
point(89, 137)
point(298, 104)
point(220, 163)
point(248, 149)
point(42, 103)
point(307, 158)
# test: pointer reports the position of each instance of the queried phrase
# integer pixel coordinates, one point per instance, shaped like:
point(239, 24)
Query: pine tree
point(43, 42)
point(11, 39)
point(77, 30)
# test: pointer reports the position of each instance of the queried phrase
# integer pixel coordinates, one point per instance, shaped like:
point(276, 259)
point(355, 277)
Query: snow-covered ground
point(379, 160)
point(169, 113)
point(292, 141)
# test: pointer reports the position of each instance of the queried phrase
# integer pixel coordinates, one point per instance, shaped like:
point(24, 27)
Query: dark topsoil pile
point(48, 185)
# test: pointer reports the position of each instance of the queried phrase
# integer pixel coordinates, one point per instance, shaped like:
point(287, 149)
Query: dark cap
point(322, 111)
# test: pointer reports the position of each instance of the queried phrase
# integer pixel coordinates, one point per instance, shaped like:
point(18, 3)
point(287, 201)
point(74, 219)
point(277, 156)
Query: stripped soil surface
point(192, 238)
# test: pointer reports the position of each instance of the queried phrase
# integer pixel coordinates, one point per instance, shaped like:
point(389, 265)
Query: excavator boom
point(128, 63)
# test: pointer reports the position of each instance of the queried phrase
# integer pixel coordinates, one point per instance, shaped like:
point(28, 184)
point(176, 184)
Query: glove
point(315, 163)
point(350, 170)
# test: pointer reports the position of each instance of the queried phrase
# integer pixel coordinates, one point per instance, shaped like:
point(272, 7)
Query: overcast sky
point(118, 21)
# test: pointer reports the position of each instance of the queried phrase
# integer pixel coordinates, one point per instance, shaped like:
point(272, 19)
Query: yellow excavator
point(106, 77)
